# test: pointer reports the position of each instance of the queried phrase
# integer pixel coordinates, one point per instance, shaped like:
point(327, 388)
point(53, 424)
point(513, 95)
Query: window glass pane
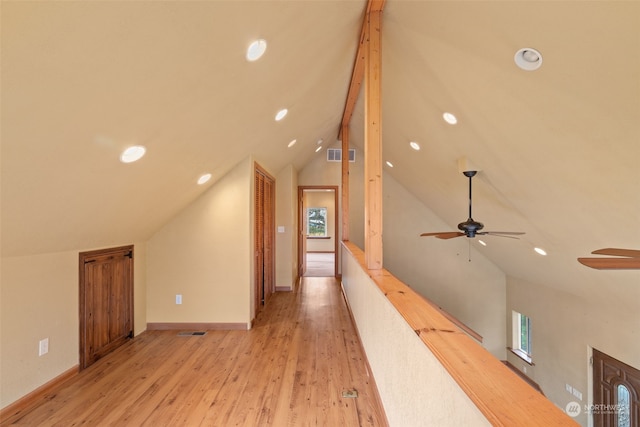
point(524, 336)
point(317, 222)
point(624, 406)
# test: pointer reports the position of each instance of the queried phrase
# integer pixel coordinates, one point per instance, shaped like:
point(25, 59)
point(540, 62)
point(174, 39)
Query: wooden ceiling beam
point(357, 75)
point(373, 143)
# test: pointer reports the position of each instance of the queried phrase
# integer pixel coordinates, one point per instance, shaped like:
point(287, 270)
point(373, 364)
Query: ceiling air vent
point(335, 155)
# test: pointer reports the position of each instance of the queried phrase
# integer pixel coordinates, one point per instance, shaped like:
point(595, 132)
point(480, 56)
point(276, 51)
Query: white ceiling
point(558, 148)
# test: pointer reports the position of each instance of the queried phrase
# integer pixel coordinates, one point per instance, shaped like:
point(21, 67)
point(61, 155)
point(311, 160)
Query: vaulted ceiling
point(558, 148)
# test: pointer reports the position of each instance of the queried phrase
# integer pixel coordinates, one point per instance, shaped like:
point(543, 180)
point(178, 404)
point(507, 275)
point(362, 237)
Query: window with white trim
point(521, 339)
point(317, 222)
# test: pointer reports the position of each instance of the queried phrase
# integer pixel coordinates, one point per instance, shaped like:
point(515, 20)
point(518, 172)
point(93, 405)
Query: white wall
point(205, 254)
point(39, 299)
point(320, 172)
point(286, 216)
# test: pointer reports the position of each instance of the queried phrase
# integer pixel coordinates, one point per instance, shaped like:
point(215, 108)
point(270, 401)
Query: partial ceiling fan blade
point(444, 235)
point(509, 234)
point(611, 263)
point(631, 253)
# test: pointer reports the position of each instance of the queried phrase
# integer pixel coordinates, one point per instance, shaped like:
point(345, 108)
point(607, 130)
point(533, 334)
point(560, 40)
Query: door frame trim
point(301, 233)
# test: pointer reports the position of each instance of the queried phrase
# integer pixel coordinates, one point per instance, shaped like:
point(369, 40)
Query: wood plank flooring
point(320, 264)
point(289, 370)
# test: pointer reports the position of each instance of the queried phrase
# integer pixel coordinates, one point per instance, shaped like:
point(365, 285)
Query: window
point(521, 344)
point(624, 406)
point(317, 222)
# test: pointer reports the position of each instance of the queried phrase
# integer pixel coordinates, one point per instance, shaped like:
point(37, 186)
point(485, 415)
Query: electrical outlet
point(43, 347)
point(178, 299)
point(524, 369)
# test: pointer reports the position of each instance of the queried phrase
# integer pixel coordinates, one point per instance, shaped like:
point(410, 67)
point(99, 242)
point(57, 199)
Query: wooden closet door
point(269, 238)
point(106, 302)
point(264, 237)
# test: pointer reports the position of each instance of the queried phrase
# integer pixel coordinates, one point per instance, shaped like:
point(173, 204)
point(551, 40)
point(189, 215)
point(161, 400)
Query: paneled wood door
point(264, 237)
point(106, 302)
point(616, 392)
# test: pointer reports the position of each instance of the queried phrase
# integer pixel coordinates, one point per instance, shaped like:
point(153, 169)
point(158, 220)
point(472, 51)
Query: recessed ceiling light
point(318, 149)
point(204, 178)
point(415, 145)
point(132, 154)
point(292, 143)
point(528, 59)
point(389, 164)
point(320, 141)
point(256, 50)
point(281, 114)
point(540, 251)
point(482, 242)
point(450, 118)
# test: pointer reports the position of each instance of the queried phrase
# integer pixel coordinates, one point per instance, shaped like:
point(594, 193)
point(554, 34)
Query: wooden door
point(616, 392)
point(106, 302)
point(264, 237)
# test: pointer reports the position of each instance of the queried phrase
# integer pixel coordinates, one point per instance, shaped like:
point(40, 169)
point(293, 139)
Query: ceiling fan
point(625, 259)
point(470, 227)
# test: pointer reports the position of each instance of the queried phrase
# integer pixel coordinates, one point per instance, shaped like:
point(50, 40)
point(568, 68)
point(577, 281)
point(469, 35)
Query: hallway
point(320, 264)
point(291, 369)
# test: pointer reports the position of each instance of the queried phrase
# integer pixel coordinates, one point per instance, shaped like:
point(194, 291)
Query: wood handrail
point(473, 334)
point(503, 397)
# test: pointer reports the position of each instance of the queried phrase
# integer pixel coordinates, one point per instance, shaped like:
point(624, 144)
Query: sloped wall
point(205, 255)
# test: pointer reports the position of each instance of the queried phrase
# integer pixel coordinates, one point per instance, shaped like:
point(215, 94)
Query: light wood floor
point(320, 264)
point(289, 370)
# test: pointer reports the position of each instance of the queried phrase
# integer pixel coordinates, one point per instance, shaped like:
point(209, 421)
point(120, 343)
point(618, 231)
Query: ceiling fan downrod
point(470, 227)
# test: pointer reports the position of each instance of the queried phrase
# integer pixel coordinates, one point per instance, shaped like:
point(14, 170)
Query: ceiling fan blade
point(444, 235)
point(611, 263)
point(631, 253)
point(509, 234)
